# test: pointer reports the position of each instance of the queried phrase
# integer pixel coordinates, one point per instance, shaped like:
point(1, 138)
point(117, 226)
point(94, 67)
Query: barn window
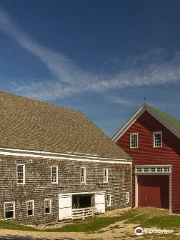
point(157, 136)
point(47, 206)
point(166, 169)
point(127, 197)
point(83, 175)
point(134, 140)
point(139, 169)
point(146, 169)
point(9, 210)
point(105, 175)
point(21, 174)
point(54, 174)
point(152, 169)
point(159, 169)
point(108, 200)
point(30, 208)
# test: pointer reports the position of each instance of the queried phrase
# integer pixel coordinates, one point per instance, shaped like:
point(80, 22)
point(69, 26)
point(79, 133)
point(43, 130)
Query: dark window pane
point(9, 214)
point(30, 212)
point(47, 210)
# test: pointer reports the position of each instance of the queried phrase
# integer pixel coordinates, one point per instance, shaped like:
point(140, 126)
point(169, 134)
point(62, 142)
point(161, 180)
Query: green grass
point(15, 226)
point(143, 217)
point(90, 225)
point(94, 224)
point(154, 218)
point(167, 222)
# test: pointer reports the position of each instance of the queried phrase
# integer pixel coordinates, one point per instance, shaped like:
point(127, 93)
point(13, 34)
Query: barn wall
point(38, 184)
point(145, 154)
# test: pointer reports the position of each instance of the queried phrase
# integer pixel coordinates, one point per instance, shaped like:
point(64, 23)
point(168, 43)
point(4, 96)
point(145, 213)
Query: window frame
point(105, 175)
point(30, 201)
point(127, 197)
point(108, 195)
point(54, 166)
point(13, 202)
point(17, 177)
point(154, 133)
point(47, 199)
point(83, 178)
point(131, 135)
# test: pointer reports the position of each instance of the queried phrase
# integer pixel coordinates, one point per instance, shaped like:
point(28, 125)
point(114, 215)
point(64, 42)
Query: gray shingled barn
point(55, 164)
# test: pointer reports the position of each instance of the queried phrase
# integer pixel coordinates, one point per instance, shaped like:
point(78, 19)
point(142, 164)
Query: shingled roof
point(34, 125)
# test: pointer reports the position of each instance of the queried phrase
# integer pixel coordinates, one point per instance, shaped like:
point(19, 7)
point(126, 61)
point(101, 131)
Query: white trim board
point(81, 193)
point(59, 156)
point(138, 113)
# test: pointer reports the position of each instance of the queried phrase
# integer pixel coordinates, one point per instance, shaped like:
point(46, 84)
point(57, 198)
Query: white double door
point(65, 206)
point(99, 202)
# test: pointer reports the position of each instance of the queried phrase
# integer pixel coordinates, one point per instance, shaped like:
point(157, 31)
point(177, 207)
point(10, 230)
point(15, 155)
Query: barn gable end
point(155, 169)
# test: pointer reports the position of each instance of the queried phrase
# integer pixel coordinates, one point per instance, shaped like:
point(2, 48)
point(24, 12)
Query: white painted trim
point(81, 193)
point(105, 170)
point(156, 172)
point(109, 205)
point(160, 132)
point(135, 134)
point(60, 156)
point(170, 192)
point(136, 190)
point(32, 207)
point(19, 164)
point(153, 174)
point(127, 197)
point(131, 185)
point(13, 202)
point(171, 129)
point(83, 176)
point(47, 199)
point(139, 112)
point(154, 165)
point(54, 166)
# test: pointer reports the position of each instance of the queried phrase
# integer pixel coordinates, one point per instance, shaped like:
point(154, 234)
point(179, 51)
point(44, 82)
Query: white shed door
point(99, 199)
point(65, 206)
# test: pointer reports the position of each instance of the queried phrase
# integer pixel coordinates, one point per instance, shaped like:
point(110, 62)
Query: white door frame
point(155, 173)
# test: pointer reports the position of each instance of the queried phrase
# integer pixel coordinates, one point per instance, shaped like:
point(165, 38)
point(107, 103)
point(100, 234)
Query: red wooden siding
point(145, 154)
point(153, 191)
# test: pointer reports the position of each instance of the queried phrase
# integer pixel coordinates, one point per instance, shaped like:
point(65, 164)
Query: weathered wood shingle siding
point(146, 154)
point(38, 185)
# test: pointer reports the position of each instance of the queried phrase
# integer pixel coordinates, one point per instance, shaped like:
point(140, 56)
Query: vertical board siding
point(146, 154)
point(153, 191)
point(38, 185)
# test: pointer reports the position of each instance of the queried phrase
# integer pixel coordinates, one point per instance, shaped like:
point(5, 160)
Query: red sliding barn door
point(153, 191)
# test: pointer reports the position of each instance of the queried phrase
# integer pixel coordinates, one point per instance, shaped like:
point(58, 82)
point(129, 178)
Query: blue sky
point(100, 57)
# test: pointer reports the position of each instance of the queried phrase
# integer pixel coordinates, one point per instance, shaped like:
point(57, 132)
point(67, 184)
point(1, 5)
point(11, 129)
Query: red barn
point(152, 138)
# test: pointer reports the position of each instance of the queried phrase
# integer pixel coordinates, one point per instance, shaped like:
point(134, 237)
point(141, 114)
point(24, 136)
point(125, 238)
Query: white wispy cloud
point(59, 65)
point(68, 78)
point(121, 100)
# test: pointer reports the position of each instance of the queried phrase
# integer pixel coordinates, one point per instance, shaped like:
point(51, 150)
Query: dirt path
point(116, 231)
